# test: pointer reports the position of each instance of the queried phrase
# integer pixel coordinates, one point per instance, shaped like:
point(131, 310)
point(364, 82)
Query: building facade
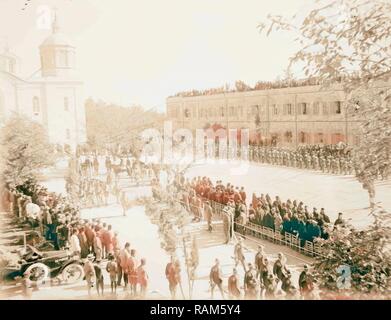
point(53, 96)
point(289, 117)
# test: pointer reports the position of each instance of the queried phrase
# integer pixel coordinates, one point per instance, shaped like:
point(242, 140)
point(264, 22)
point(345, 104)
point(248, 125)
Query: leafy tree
point(347, 43)
point(109, 124)
point(241, 86)
point(25, 150)
point(365, 252)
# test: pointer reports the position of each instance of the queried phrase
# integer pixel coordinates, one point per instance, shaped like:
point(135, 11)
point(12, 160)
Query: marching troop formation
point(92, 180)
point(330, 158)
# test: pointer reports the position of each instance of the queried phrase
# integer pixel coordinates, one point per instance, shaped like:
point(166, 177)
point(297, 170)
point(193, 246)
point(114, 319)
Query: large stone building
point(52, 97)
point(287, 116)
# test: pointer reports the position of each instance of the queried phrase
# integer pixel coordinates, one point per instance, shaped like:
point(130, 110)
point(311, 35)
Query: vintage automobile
point(42, 266)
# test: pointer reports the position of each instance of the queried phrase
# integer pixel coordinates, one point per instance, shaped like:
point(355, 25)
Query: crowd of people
point(241, 86)
point(94, 242)
point(202, 198)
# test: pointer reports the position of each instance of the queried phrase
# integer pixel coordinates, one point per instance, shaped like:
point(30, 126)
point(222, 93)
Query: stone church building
point(53, 96)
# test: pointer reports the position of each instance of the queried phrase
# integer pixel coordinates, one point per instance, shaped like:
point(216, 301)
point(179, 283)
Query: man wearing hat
point(250, 283)
point(112, 269)
point(89, 272)
point(259, 262)
point(215, 278)
point(173, 276)
point(208, 215)
point(227, 224)
point(239, 255)
point(305, 283)
point(279, 268)
point(233, 290)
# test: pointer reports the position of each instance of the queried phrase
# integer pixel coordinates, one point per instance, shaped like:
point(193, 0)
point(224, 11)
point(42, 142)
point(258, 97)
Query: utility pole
point(187, 263)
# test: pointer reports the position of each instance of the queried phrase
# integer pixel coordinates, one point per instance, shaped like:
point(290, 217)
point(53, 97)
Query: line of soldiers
point(262, 279)
point(305, 158)
point(91, 192)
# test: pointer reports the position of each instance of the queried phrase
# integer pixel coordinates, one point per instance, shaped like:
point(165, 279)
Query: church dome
point(56, 39)
point(57, 54)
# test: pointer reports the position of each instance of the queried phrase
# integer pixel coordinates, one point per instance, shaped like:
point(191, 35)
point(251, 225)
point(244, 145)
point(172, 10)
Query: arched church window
point(66, 104)
point(36, 107)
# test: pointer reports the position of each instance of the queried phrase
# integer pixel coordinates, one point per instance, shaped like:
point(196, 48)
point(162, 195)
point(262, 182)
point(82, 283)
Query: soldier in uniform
point(306, 283)
point(108, 164)
point(233, 290)
point(323, 164)
point(294, 160)
point(142, 278)
point(208, 215)
point(279, 268)
point(124, 202)
point(112, 270)
point(132, 272)
point(238, 254)
point(315, 162)
point(96, 166)
point(89, 272)
point(215, 278)
point(250, 283)
point(328, 164)
point(227, 216)
point(259, 262)
point(173, 276)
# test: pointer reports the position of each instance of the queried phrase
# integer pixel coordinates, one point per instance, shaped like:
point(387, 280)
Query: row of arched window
point(303, 108)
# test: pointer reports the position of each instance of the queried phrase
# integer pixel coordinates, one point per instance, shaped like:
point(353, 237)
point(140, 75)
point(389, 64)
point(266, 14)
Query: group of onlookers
point(241, 86)
point(203, 198)
point(93, 241)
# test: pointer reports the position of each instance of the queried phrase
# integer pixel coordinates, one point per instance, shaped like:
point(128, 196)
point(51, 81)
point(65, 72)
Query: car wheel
point(39, 272)
point(72, 273)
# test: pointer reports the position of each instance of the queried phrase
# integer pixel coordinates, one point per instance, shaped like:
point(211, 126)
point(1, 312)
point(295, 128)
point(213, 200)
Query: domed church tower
point(57, 54)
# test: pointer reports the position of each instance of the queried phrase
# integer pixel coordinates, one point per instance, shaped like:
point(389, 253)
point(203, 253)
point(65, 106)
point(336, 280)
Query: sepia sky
point(140, 52)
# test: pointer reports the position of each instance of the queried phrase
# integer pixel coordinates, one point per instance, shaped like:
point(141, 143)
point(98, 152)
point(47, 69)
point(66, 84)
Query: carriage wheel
point(39, 272)
point(72, 273)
